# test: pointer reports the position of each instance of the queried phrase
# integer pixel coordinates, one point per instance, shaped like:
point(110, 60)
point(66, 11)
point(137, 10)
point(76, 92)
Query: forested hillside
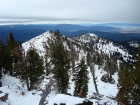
point(51, 66)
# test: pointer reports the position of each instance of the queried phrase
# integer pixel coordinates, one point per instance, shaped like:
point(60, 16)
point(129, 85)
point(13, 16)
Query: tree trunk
point(93, 72)
point(94, 79)
point(73, 65)
point(46, 92)
point(75, 91)
point(28, 87)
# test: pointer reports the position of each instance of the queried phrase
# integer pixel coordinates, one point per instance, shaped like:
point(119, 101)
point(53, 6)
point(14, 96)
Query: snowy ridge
point(103, 45)
point(99, 44)
point(87, 38)
point(37, 42)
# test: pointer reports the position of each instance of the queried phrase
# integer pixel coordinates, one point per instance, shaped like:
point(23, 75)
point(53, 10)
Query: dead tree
point(46, 91)
point(94, 78)
point(92, 70)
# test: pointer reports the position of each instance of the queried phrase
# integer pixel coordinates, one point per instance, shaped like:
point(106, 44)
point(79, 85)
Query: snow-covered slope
point(134, 44)
point(37, 42)
point(99, 44)
point(13, 86)
point(103, 45)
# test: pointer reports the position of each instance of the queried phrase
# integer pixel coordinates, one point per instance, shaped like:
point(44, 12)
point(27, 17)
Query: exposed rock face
point(4, 97)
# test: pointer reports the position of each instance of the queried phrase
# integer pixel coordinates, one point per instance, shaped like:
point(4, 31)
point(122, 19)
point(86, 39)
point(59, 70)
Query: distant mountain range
point(110, 31)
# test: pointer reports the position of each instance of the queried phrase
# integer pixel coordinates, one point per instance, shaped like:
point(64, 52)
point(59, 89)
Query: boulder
point(86, 102)
point(62, 104)
point(22, 93)
point(107, 79)
point(4, 97)
point(1, 92)
point(33, 93)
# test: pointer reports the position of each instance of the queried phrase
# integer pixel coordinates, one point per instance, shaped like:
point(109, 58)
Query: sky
point(69, 11)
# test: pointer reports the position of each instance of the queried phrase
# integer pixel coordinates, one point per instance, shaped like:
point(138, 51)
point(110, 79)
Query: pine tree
point(60, 61)
point(81, 79)
point(2, 57)
point(88, 59)
point(13, 53)
point(31, 70)
point(73, 57)
point(47, 62)
point(10, 44)
point(129, 85)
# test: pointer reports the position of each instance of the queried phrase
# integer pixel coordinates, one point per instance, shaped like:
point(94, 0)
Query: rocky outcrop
point(3, 98)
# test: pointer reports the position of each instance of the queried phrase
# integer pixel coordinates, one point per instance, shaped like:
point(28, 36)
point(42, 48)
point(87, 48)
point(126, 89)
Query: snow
point(2, 94)
point(14, 87)
point(69, 100)
point(134, 44)
point(104, 45)
point(38, 43)
point(107, 47)
point(104, 88)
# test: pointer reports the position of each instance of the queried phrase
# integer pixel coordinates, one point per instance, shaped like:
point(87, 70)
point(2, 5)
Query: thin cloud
point(47, 11)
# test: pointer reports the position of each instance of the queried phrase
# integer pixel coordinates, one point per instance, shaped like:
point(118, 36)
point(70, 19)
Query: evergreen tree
point(10, 42)
point(13, 53)
point(2, 57)
point(31, 70)
point(110, 65)
point(47, 63)
point(10, 45)
point(129, 85)
point(81, 79)
point(10, 53)
point(73, 56)
point(88, 59)
point(60, 61)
